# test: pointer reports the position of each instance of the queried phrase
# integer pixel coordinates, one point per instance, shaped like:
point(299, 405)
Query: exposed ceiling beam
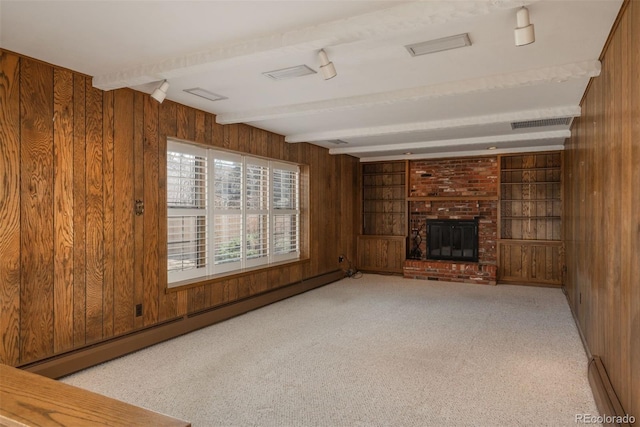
point(397, 19)
point(516, 116)
point(483, 140)
point(515, 79)
point(471, 153)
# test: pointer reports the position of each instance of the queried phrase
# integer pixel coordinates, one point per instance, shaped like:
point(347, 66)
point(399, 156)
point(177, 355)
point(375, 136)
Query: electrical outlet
point(138, 310)
point(340, 258)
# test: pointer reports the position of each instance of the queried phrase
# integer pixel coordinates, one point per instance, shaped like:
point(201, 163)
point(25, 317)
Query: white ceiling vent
point(290, 73)
point(556, 121)
point(205, 94)
point(438, 45)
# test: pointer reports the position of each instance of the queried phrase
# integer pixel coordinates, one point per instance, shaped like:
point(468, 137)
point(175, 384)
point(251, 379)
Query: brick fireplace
point(462, 189)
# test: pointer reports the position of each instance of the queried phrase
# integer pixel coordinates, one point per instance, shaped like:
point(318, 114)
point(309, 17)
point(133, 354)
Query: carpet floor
point(378, 351)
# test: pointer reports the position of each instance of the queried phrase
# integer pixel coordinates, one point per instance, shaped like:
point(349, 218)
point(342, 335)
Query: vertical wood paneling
point(167, 127)
point(186, 118)
point(108, 169)
point(79, 210)
point(185, 129)
point(602, 230)
point(626, 187)
point(151, 195)
point(217, 133)
point(631, 137)
point(36, 294)
point(244, 139)
point(198, 297)
point(123, 214)
point(95, 243)
point(200, 127)
point(75, 180)
point(63, 209)
point(138, 194)
point(10, 208)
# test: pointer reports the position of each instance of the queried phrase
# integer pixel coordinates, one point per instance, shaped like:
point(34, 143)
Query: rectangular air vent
point(438, 45)
point(202, 93)
point(290, 73)
point(557, 121)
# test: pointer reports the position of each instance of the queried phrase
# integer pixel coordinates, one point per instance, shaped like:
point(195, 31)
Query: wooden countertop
point(28, 399)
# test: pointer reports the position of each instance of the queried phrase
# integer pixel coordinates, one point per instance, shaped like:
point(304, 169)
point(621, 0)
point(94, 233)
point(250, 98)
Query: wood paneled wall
point(602, 211)
point(74, 258)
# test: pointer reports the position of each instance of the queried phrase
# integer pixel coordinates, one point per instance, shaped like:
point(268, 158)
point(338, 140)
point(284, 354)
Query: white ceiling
point(383, 103)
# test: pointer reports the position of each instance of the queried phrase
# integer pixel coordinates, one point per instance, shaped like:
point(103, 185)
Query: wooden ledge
point(28, 399)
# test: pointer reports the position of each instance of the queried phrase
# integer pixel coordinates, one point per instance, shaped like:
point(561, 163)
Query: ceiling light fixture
point(161, 92)
point(524, 32)
point(326, 67)
point(493, 147)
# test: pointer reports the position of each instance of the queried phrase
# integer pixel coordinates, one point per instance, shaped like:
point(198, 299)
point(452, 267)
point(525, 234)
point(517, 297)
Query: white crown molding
point(483, 140)
point(554, 74)
point(473, 153)
point(397, 19)
point(516, 116)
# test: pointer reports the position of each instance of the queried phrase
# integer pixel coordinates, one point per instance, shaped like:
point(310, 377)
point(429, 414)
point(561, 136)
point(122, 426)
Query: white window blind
point(187, 212)
point(227, 211)
point(257, 215)
point(286, 211)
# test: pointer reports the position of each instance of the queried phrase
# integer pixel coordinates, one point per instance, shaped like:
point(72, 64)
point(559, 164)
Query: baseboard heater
point(606, 399)
point(82, 358)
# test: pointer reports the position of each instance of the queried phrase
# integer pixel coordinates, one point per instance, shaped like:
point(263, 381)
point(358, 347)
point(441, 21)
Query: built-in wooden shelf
point(530, 219)
point(448, 198)
point(531, 183)
point(528, 169)
point(557, 199)
point(386, 173)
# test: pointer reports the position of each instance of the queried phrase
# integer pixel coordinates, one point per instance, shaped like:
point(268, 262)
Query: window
point(226, 211)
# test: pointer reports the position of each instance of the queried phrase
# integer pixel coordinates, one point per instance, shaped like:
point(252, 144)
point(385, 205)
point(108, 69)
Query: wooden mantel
point(28, 399)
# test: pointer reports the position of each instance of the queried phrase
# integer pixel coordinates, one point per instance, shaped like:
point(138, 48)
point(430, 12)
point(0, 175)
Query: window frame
point(212, 270)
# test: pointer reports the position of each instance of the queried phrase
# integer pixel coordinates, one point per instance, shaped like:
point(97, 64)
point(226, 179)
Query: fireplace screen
point(454, 240)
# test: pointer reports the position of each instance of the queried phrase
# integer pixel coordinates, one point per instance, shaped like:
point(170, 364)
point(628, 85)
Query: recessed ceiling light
point(493, 147)
point(205, 94)
point(290, 73)
point(438, 45)
point(408, 152)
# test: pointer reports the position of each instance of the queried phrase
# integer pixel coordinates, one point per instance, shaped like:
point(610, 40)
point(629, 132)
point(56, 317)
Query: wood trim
point(532, 242)
point(614, 27)
point(48, 64)
point(29, 399)
point(603, 393)
point(209, 280)
point(451, 198)
point(69, 363)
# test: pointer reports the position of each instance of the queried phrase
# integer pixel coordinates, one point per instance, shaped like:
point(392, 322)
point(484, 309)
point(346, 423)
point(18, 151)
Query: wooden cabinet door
point(383, 254)
point(530, 262)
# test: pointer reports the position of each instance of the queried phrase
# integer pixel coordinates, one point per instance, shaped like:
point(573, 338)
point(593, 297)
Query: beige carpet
point(378, 351)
